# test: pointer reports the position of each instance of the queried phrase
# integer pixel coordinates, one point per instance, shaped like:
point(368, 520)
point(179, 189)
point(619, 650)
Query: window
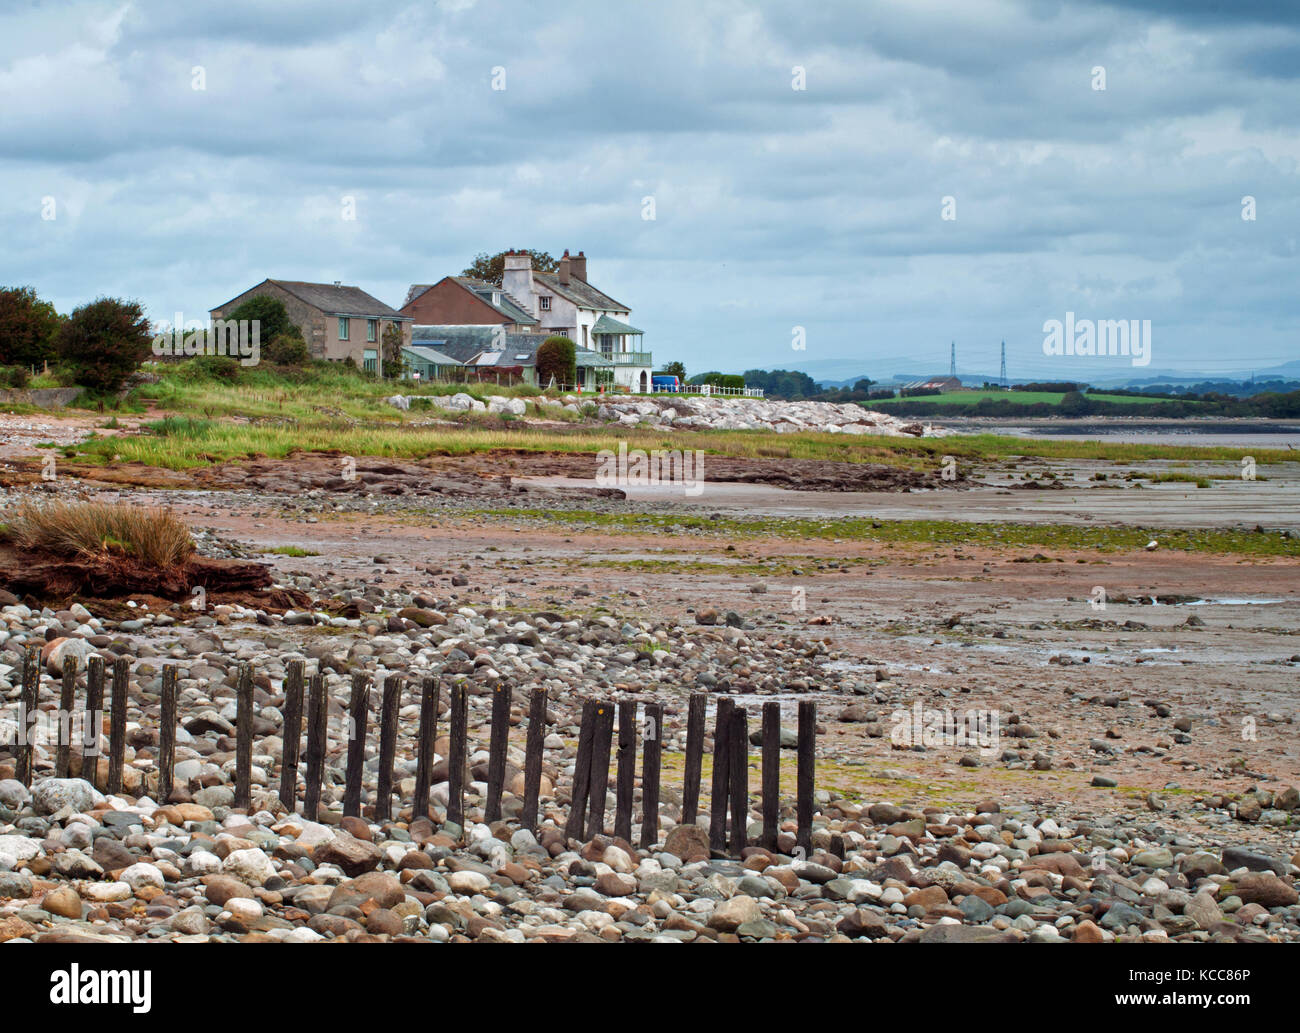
point(370, 329)
point(343, 328)
point(545, 302)
point(370, 360)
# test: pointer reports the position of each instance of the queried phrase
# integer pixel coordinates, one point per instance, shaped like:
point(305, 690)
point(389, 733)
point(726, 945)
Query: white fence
point(709, 389)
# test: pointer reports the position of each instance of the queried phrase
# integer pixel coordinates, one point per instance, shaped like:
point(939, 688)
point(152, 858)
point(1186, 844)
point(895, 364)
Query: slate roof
point(342, 300)
point(608, 325)
point(462, 343)
point(580, 292)
point(432, 355)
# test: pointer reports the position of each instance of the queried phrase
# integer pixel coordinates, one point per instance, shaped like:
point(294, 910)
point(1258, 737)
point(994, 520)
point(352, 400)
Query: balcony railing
point(628, 358)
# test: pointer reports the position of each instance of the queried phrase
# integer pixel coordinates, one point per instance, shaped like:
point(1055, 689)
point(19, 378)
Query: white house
point(565, 303)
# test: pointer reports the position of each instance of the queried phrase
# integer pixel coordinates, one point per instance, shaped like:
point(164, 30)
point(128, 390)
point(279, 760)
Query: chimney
point(578, 267)
point(566, 267)
point(517, 277)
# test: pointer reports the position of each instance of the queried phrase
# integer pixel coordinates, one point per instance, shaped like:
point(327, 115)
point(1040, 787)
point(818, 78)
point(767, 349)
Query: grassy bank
point(928, 532)
point(180, 444)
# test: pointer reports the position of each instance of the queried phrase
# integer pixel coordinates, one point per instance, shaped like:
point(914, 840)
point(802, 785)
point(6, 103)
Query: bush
point(104, 342)
point(14, 376)
point(214, 367)
point(557, 357)
point(28, 327)
point(287, 350)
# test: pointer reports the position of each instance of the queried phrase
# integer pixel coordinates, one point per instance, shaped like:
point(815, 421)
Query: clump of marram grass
point(152, 536)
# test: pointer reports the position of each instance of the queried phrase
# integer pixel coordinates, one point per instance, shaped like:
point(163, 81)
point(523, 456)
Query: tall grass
point(153, 536)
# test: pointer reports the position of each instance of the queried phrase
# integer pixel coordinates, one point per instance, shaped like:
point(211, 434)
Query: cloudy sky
point(178, 153)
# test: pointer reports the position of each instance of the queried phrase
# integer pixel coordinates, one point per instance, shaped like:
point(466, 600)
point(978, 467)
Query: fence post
point(31, 691)
point(497, 744)
point(292, 737)
point(600, 767)
point(807, 762)
point(117, 724)
point(771, 772)
point(167, 737)
point(738, 755)
point(456, 754)
point(654, 723)
point(358, 722)
point(581, 771)
point(533, 758)
point(67, 695)
point(721, 775)
point(424, 747)
point(391, 703)
point(626, 768)
point(317, 730)
point(94, 718)
point(694, 756)
point(244, 737)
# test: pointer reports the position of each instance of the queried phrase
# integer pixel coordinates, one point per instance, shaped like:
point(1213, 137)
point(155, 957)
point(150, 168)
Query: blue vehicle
point(666, 383)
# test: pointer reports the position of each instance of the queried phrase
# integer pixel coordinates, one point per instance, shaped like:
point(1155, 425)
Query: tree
point(103, 342)
point(492, 267)
point(272, 316)
point(28, 327)
point(782, 383)
point(394, 363)
point(556, 357)
point(675, 369)
point(864, 384)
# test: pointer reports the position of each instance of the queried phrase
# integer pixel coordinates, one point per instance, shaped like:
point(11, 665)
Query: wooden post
point(771, 773)
point(26, 755)
point(358, 722)
point(94, 719)
point(167, 737)
point(582, 771)
point(497, 744)
point(654, 725)
point(805, 775)
point(317, 730)
point(117, 724)
point(533, 758)
point(600, 747)
point(392, 703)
point(244, 737)
point(738, 755)
point(694, 756)
point(721, 775)
point(456, 754)
point(292, 733)
point(424, 747)
point(626, 768)
point(67, 697)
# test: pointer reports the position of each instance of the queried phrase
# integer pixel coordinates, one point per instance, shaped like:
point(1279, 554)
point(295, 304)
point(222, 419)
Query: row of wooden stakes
point(597, 738)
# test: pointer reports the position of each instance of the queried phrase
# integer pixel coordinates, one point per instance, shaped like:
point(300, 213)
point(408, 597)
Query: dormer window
point(545, 302)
